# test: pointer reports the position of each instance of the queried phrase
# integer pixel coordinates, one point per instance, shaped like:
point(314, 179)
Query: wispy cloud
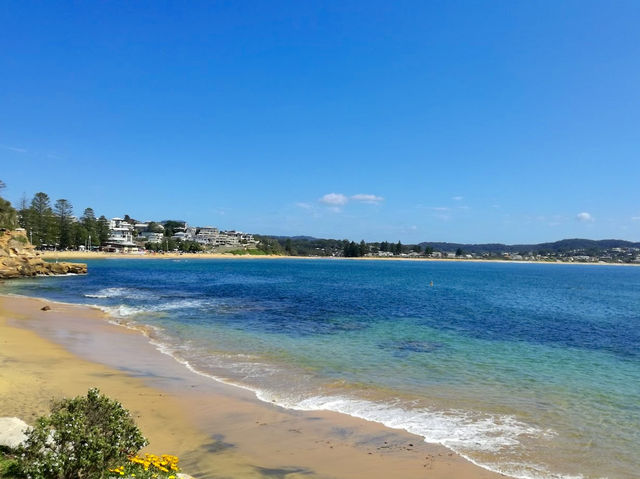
point(635, 218)
point(304, 206)
point(334, 199)
point(337, 200)
point(458, 198)
point(439, 208)
point(585, 217)
point(365, 198)
point(13, 148)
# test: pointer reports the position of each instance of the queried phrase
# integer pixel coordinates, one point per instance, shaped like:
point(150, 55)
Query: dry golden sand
point(219, 431)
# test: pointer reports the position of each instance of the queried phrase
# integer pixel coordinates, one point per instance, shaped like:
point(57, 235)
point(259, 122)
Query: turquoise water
point(530, 370)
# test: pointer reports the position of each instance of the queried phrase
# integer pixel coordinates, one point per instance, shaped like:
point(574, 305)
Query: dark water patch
point(281, 472)
point(218, 444)
point(147, 373)
point(404, 347)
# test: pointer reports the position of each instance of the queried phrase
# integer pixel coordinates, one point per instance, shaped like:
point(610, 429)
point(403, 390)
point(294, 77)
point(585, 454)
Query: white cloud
point(439, 208)
point(334, 199)
point(458, 198)
point(585, 217)
point(364, 198)
point(305, 206)
point(13, 148)
point(635, 218)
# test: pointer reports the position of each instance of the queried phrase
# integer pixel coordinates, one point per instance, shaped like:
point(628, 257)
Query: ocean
point(531, 370)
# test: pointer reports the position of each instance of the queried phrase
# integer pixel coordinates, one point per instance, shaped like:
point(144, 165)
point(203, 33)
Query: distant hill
point(561, 246)
point(305, 245)
point(293, 238)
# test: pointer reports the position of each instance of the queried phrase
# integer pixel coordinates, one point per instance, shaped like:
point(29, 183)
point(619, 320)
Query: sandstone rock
point(18, 258)
point(46, 308)
point(12, 431)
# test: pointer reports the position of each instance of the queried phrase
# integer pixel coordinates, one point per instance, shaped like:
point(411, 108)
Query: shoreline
point(84, 255)
point(227, 427)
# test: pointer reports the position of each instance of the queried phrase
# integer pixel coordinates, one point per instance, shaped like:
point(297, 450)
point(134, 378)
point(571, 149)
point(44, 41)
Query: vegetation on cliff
point(8, 215)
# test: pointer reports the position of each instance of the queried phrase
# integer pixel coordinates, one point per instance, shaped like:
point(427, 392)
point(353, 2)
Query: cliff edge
point(18, 258)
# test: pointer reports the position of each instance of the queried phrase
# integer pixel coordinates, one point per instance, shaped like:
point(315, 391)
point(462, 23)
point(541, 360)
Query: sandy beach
point(218, 430)
point(84, 255)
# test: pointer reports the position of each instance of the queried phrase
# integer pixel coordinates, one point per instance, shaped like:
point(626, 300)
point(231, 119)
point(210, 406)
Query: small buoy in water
point(431, 284)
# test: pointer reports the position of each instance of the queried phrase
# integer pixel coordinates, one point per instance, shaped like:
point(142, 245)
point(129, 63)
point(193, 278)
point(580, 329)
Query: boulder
point(13, 431)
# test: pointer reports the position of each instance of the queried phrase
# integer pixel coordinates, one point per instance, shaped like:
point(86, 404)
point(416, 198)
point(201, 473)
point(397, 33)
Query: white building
point(120, 236)
point(151, 237)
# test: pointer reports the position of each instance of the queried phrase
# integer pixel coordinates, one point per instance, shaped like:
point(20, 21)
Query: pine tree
point(363, 249)
point(42, 219)
point(63, 212)
point(102, 230)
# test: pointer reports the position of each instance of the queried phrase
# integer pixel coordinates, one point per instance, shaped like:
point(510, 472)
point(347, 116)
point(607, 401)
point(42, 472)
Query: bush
point(81, 438)
point(8, 465)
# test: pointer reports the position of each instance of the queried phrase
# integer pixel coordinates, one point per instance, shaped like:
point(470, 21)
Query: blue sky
point(472, 121)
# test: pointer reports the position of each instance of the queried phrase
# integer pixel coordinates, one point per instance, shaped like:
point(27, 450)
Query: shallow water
point(530, 370)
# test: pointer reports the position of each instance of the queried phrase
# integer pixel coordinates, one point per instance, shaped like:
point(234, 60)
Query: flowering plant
point(148, 466)
point(81, 438)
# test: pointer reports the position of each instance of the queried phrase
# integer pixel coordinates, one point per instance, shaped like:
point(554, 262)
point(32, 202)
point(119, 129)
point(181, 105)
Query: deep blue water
point(529, 369)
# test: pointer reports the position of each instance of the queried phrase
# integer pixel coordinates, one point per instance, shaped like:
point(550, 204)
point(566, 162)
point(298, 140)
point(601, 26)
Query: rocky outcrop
point(18, 258)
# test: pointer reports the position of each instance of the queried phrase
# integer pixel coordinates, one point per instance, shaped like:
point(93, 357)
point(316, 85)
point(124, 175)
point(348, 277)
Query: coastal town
point(134, 237)
point(131, 237)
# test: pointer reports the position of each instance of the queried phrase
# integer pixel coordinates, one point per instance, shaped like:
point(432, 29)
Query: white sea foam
point(124, 310)
point(129, 293)
point(463, 432)
point(453, 428)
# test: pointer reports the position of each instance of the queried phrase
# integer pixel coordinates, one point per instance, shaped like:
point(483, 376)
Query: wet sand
point(218, 430)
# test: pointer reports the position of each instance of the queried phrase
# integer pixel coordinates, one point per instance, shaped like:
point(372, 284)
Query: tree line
point(50, 226)
point(306, 246)
point(53, 226)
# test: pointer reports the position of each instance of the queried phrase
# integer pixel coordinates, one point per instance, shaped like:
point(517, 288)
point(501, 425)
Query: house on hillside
point(120, 237)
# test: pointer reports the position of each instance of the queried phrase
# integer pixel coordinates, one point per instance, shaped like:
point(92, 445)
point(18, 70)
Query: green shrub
point(8, 465)
point(81, 438)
